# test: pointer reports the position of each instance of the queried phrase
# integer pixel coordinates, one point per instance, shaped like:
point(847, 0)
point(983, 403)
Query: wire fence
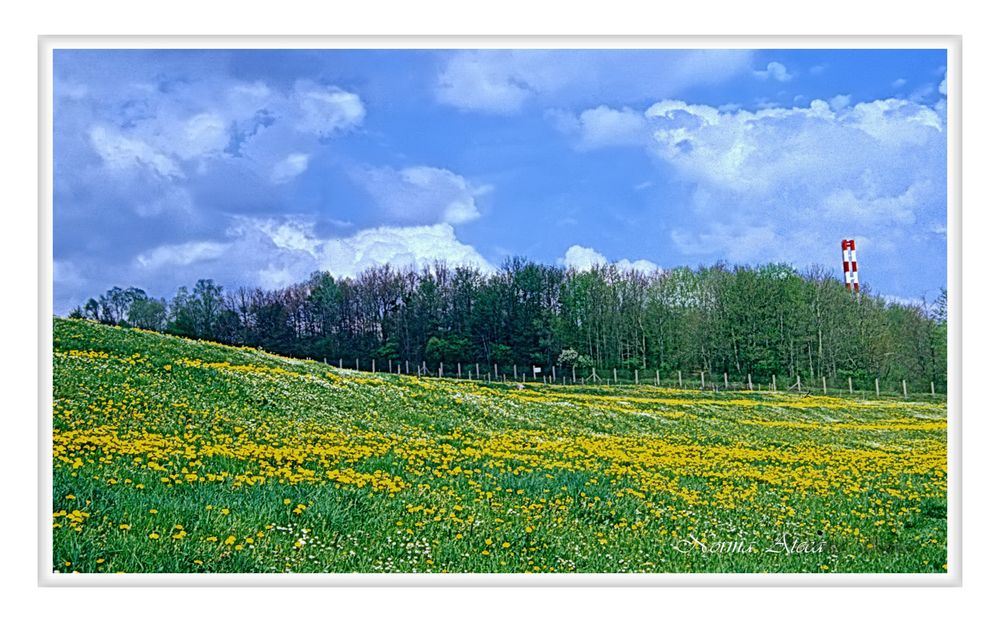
point(696, 380)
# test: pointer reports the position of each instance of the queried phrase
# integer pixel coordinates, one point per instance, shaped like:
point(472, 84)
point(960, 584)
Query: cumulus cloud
point(122, 153)
point(773, 71)
point(787, 183)
point(503, 81)
point(584, 258)
point(326, 109)
point(181, 133)
point(272, 252)
point(422, 194)
point(401, 247)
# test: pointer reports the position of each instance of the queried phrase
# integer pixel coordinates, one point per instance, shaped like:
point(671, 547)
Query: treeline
point(759, 320)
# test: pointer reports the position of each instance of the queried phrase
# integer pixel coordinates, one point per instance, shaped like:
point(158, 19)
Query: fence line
point(692, 380)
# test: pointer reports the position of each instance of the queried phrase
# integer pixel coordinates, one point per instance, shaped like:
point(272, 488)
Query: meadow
point(173, 455)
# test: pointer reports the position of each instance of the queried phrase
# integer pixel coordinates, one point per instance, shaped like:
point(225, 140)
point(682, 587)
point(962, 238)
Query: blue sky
point(258, 167)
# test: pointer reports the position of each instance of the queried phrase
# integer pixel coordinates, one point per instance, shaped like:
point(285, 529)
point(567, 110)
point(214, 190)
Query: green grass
point(269, 464)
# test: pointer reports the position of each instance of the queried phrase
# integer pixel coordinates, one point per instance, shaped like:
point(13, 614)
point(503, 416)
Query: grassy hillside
point(172, 455)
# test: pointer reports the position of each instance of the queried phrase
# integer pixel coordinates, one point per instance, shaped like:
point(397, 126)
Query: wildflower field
point(172, 455)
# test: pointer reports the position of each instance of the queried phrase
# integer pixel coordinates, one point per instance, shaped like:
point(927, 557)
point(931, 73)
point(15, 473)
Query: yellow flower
point(100, 560)
point(198, 562)
point(230, 540)
point(154, 536)
point(287, 501)
point(153, 511)
point(71, 497)
point(125, 526)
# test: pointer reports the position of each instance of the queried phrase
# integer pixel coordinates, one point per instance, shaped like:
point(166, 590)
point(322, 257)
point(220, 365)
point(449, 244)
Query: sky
point(259, 167)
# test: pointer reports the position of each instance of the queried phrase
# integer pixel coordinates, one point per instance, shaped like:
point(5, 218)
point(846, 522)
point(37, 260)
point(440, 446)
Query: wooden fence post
point(824, 385)
point(750, 382)
point(357, 365)
point(615, 372)
point(496, 374)
point(932, 388)
point(774, 383)
point(515, 372)
point(441, 370)
point(459, 371)
point(657, 377)
point(477, 371)
point(703, 380)
point(850, 385)
point(725, 379)
point(341, 365)
point(636, 376)
point(904, 388)
point(876, 388)
point(574, 374)
point(373, 366)
point(680, 383)
point(407, 367)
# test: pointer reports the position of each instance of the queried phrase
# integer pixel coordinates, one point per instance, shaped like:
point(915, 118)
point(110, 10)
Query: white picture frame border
point(48, 43)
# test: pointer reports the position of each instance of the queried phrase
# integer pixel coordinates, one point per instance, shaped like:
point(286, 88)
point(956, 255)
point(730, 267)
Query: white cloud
point(899, 83)
point(289, 168)
point(202, 122)
point(787, 183)
point(605, 127)
point(773, 71)
point(943, 86)
point(400, 247)
point(325, 110)
point(423, 194)
point(584, 258)
point(503, 81)
point(269, 252)
point(839, 102)
point(122, 153)
point(203, 134)
point(171, 255)
point(763, 151)
point(492, 81)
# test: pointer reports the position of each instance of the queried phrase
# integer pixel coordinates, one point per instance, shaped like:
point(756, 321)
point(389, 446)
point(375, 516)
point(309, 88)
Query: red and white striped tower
point(850, 265)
